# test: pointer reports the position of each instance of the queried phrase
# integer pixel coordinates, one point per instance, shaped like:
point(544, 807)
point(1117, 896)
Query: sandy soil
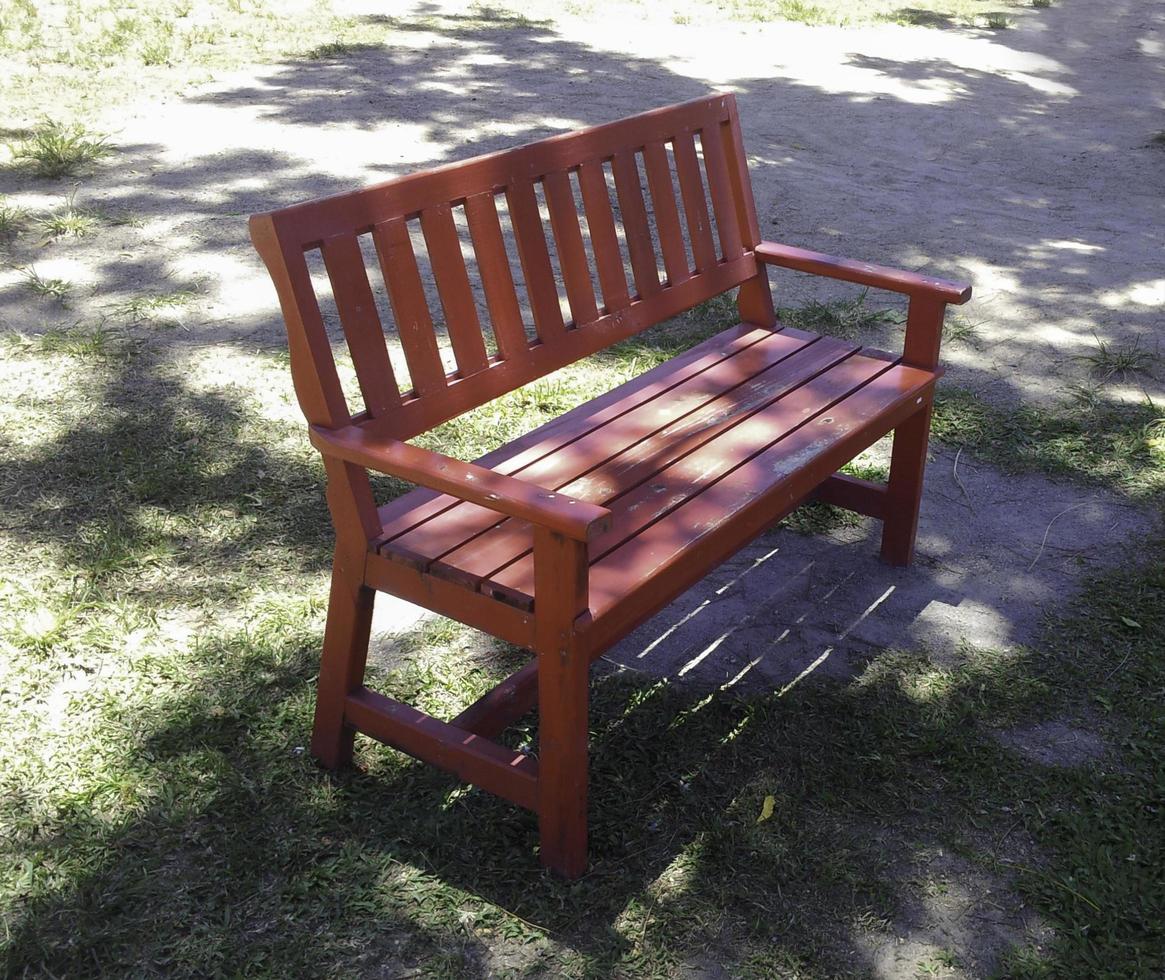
point(1020, 159)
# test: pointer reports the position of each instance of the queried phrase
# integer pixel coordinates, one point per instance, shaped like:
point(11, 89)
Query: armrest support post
point(924, 331)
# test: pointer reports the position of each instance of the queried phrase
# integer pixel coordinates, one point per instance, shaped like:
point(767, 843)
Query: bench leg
point(904, 490)
point(560, 594)
point(562, 762)
point(342, 664)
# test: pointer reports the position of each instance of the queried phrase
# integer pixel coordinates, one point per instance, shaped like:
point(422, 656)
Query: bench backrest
point(616, 222)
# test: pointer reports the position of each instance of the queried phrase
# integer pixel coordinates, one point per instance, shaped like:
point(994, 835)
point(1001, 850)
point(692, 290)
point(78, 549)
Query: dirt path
point(1019, 158)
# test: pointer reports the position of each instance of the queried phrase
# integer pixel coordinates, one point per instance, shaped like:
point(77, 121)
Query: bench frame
point(559, 629)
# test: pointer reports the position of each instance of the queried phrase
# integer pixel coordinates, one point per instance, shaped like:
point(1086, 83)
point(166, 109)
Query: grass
point(46, 287)
point(69, 220)
point(13, 220)
point(154, 307)
point(1106, 442)
point(1111, 360)
point(926, 13)
point(845, 318)
point(57, 149)
point(165, 523)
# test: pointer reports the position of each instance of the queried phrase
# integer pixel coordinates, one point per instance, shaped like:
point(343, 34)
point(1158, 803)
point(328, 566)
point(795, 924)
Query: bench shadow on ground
point(680, 768)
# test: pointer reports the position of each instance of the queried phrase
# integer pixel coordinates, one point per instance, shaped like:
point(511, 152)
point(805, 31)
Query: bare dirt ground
point(1020, 159)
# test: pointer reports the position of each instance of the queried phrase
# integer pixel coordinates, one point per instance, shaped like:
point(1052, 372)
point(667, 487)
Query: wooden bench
point(567, 538)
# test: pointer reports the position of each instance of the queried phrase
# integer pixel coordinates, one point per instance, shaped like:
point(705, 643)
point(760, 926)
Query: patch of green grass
point(57, 149)
point(845, 318)
point(71, 219)
point(1041, 4)
point(159, 641)
point(1111, 360)
point(46, 287)
point(154, 307)
point(331, 49)
point(805, 13)
point(998, 21)
point(13, 220)
point(1103, 442)
point(79, 341)
point(958, 329)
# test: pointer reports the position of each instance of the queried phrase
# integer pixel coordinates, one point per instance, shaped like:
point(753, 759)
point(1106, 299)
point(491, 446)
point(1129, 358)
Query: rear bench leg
point(904, 490)
point(342, 664)
point(560, 594)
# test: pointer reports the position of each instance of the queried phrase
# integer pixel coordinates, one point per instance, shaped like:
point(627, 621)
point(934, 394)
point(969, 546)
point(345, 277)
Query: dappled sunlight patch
point(1150, 292)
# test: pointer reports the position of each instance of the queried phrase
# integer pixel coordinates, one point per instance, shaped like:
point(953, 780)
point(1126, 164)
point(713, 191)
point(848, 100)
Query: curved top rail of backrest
point(600, 207)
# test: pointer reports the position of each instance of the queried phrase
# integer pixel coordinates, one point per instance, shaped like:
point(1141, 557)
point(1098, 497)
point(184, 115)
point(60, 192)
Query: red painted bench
point(567, 538)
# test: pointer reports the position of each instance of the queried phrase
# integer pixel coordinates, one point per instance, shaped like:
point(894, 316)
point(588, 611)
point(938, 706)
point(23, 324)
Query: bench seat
point(738, 431)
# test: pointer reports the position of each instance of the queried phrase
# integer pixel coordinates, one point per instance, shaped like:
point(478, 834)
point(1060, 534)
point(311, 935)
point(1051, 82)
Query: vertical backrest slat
point(448, 264)
point(635, 248)
point(497, 279)
point(535, 259)
point(362, 327)
point(410, 309)
point(604, 238)
point(572, 254)
point(667, 217)
point(695, 203)
point(741, 182)
point(313, 368)
point(720, 187)
point(635, 226)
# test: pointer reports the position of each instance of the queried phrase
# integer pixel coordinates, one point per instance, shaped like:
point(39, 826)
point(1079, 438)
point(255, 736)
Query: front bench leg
point(904, 488)
point(924, 329)
point(344, 657)
point(560, 595)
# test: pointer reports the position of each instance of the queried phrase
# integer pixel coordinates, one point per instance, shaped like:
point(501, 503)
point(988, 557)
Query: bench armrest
point(876, 276)
point(573, 518)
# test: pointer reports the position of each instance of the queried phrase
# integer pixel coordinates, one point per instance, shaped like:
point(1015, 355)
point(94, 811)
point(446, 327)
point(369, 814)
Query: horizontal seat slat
point(598, 440)
point(684, 481)
point(419, 506)
point(615, 463)
point(632, 582)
